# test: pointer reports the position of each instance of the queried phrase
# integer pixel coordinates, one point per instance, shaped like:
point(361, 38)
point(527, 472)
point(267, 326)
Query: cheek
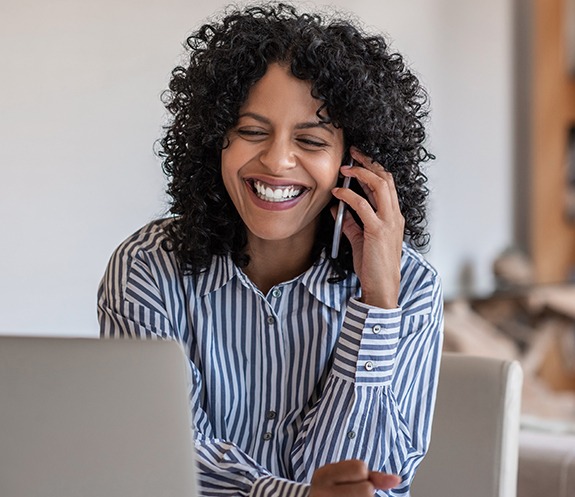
point(230, 159)
point(234, 156)
point(331, 164)
point(329, 174)
point(228, 171)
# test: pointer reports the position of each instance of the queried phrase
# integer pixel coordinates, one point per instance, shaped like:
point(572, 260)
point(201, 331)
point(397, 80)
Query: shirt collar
point(315, 280)
point(217, 275)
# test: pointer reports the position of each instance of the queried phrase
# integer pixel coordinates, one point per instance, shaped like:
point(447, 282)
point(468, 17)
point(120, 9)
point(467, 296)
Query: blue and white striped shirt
point(283, 383)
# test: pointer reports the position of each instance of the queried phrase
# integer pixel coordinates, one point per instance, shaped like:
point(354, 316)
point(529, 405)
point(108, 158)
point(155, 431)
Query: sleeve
point(378, 401)
point(133, 302)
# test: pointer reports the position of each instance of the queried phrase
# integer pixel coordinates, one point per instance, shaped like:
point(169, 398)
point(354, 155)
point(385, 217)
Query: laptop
point(84, 417)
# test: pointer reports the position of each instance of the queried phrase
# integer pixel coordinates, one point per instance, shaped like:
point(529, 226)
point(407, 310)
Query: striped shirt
point(283, 383)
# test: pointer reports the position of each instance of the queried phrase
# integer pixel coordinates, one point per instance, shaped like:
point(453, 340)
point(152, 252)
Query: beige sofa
point(546, 464)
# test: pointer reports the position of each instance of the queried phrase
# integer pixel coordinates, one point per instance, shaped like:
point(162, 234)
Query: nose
point(278, 155)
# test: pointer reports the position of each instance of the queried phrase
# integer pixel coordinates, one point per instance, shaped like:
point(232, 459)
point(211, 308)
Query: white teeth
point(267, 193)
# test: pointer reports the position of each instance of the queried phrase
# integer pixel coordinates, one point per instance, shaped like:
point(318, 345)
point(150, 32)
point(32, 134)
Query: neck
point(273, 262)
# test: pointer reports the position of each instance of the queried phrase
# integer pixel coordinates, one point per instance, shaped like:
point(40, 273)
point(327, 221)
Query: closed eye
point(312, 143)
point(251, 133)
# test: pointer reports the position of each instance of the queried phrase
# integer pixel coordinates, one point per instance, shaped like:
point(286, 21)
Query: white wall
point(80, 111)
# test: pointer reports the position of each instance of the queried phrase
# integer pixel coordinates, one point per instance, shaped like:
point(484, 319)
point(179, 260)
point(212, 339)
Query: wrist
point(383, 293)
point(382, 301)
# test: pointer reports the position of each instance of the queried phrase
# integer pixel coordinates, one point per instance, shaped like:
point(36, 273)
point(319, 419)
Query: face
point(281, 162)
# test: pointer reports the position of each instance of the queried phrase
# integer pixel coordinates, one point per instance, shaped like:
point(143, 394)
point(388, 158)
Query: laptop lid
point(88, 417)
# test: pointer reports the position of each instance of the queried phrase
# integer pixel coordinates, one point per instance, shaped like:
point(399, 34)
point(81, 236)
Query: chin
point(273, 235)
point(274, 232)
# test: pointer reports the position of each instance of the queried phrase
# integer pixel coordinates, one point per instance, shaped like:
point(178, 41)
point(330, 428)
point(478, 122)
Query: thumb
point(383, 481)
point(352, 230)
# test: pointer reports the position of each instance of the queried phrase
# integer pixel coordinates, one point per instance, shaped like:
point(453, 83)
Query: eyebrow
point(304, 125)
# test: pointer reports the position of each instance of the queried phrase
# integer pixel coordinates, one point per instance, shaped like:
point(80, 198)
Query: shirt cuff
point(272, 486)
point(367, 344)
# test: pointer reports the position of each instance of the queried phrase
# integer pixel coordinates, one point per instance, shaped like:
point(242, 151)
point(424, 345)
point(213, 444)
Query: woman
point(309, 375)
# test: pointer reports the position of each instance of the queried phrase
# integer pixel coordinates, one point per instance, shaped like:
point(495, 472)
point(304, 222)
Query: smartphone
point(339, 220)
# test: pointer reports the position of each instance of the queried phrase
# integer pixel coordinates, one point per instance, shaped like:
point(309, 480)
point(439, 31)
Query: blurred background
point(80, 111)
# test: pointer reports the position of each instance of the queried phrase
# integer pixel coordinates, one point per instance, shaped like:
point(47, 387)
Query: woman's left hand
point(377, 247)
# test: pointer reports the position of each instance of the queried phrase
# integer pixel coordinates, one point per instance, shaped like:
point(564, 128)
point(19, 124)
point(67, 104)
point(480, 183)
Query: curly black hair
point(364, 87)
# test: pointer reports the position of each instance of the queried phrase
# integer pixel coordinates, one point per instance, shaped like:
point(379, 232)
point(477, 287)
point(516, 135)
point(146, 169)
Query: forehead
point(279, 91)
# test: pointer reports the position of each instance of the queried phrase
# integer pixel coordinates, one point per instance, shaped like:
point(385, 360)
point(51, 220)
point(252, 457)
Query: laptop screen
point(89, 417)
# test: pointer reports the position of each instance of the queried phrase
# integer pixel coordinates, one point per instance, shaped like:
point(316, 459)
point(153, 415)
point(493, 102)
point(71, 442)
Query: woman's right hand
point(349, 478)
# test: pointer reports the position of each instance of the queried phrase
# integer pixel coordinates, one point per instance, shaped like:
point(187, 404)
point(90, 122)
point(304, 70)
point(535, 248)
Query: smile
point(270, 193)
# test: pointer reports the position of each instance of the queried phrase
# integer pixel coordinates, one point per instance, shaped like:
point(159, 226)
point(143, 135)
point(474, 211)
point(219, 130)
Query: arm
point(380, 414)
point(133, 303)
point(394, 370)
point(137, 300)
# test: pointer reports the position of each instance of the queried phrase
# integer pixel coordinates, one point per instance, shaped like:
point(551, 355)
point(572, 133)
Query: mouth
point(275, 193)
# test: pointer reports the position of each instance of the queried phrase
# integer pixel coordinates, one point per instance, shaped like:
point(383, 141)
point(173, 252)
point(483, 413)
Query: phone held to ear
point(339, 220)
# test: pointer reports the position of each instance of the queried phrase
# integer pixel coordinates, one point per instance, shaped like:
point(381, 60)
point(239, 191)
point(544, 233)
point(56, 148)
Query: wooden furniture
point(551, 237)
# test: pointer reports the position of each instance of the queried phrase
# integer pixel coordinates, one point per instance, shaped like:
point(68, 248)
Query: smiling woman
point(309, 374)
point(365, 90)
point(279, 166)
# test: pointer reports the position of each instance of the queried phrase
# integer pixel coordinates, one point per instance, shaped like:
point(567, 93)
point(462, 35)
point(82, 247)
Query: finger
point(359, 489)
point(371, 165)
point(384, 481)
point(343, 472)
point(359, 204)
point(353, 232)
point(364, 187)
point(364, 159)
point(380, 188)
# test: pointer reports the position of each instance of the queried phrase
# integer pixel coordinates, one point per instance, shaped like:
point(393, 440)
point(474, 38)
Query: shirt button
point(376, 329)
point(276, 292)
point(267, 435)
point(368, 366)
point(271, 320)
point(271, 415)
point(351, 434)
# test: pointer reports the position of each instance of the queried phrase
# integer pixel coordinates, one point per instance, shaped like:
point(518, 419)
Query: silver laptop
point(88, 417)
